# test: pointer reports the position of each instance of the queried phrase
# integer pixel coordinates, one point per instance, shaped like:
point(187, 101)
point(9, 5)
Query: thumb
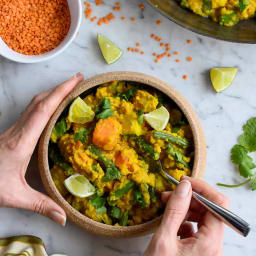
point(44, 205)
point(176, 209)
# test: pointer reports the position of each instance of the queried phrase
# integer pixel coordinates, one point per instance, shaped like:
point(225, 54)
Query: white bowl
point(75, 8)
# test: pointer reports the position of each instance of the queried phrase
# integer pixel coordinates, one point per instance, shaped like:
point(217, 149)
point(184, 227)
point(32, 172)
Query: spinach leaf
point(58, 130)
point(82, 134)
point(115, 212)
point(128, 94)
point(124, 219)
point(140, 116)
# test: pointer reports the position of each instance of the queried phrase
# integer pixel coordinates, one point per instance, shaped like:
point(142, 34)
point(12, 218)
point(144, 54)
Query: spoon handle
point(229, 218)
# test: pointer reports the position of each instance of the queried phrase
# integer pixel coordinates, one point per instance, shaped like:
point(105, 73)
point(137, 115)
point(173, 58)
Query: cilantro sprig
point(240, 157)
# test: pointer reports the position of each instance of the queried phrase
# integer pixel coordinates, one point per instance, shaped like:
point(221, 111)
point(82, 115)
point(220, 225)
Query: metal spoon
point(229, 218)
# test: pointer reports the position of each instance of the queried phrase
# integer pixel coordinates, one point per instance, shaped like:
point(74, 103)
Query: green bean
point(171, 138)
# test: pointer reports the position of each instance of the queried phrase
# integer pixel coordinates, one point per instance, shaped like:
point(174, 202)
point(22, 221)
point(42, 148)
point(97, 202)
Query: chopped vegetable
point(124, 219)
point(242, 4)
point(128, 94)
point(82, 134)
point(207, 5)
point(99, 203)
point(57, 159)
point(112, 172)
point(104, 110)
point(171, 138)
point(176, 154)
point(152, 193)
point(115, 212)
point(229, 19)
point(138, 197)
point(140, 116)
point(146, 147)
point(58, 130)
point(120, 192)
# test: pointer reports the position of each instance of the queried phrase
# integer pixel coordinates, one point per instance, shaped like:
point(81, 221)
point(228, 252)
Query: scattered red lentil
point(116, 8)
point(189, 59)
point(93, 18)
point(162, 44)
point(156, 60)
point(34, 27)
point(141, 6)
point(154, 54)
point(123, 18)
point(137, 50)
point(128, 49)
point(132, 19)
point(117, 3)
point(158, 22)
point(133, 50)
point(169, 55)
point(177, 60)
point(152, 35)
point(98, 2)
point(185, 77)
point(138, 44)
point(141, 52)
point(175, 53)
point(189, 41)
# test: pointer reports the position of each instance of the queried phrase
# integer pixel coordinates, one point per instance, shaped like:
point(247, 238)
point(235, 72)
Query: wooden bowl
point(80, 219)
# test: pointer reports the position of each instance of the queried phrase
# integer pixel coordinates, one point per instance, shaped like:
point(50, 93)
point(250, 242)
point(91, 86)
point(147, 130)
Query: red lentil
point(185, 77)
point(189, 59)
point(141, 52)
point(152, 35)
point(177, 60)
point(154, 54)
point(132, 19)
point(141, 6)
point(34, 27)
point(175, 53)
point(169, 55)
point(158, 22)
point(123, 18)
point(98, 2)
point(189, 41)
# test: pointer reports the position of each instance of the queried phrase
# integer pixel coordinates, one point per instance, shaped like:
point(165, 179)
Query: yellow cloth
point(23, 246)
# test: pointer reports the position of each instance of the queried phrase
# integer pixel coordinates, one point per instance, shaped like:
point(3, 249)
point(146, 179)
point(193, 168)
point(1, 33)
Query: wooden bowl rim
point(80, 219)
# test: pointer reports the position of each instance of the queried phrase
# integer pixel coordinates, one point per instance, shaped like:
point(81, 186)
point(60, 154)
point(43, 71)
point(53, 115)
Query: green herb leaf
point(248, 139)
point(105, 103)
point(124, 219)
point(98, 202)
point(115, 212)
point(207, 5)
point(82, 134)
point(242, 4)
point(58, 130)
point(138, 197)
point(104, 109)
point(245, 163)
point(105, 114)
point(229, 19)
point(111, 174)
point(128, 94)
point(160, 96)
point(140, 116)
point(101, 210)
point(152, 193)
point(253, 184)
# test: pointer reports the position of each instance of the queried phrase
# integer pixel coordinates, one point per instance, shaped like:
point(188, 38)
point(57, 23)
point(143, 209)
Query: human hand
point(16, 148)
point(179, 210)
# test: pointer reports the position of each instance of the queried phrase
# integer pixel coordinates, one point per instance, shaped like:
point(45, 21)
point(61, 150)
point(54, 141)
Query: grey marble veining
point(222, 115)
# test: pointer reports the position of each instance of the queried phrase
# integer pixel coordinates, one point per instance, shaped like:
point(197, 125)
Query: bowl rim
point(82, 220)
point(54, 52)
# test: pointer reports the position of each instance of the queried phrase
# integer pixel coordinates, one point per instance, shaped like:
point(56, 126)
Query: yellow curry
point(116, 152)
point(225, 12)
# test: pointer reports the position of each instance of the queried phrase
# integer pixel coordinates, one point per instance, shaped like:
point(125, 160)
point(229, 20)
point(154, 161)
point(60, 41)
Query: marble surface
point(222, 115)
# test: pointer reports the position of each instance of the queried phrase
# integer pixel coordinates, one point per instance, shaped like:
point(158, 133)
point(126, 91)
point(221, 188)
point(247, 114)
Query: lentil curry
point(115, 152)
point(225, 12)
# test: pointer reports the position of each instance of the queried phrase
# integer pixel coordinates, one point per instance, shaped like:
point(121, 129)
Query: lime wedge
point(80, 112)
point(109, 50)
point(79, 186)
point(222, 78)
point(158, 118)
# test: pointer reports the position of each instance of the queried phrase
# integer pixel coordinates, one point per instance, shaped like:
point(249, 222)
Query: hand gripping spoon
point(229, 218)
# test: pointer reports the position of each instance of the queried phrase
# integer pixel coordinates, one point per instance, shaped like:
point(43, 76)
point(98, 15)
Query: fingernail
point(56, 216)
point(79, 75)
point(183, 188)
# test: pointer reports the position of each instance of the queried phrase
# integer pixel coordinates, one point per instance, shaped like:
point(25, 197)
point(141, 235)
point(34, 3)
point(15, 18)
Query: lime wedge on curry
point(222, 78)
point(80, 112)
point(158, 118)
point(109, 50)
point(78, 185)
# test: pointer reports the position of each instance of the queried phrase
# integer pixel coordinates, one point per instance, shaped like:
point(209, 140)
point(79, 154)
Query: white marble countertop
point(222, 115)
